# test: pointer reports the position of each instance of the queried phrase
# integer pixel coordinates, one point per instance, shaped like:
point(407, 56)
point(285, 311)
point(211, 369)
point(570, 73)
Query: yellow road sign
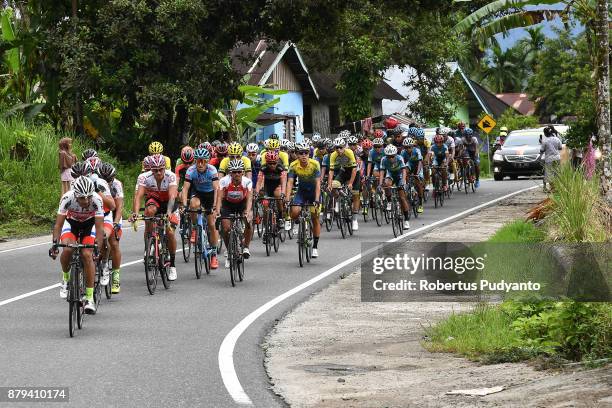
point(487, 123)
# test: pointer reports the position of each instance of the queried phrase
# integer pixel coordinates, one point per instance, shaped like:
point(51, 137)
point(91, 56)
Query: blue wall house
point(282, 66)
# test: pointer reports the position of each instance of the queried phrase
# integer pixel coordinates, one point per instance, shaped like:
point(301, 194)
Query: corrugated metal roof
point(326, 85)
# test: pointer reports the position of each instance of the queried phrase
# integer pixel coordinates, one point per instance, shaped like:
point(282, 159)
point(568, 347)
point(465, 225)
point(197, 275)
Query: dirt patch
point(335, 351)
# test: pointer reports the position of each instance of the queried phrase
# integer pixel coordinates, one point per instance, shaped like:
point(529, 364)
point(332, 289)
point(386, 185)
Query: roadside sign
point(487, 123)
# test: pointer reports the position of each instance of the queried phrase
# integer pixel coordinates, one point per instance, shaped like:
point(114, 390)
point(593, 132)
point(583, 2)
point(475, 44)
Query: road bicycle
point(395, 214)
point(412, 195)
point(235, 247)
point(258, 216)
point(305, 235)
point(272, 223)
point(468, 174)
point(438, 186)
point(157, 256)
point(344, 218)
point(76, 286)
point(202, 250)
point(329, 203)
point(185, 233)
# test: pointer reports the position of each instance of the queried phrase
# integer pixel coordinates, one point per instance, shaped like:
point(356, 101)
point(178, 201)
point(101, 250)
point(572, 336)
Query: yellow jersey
point(342, 161)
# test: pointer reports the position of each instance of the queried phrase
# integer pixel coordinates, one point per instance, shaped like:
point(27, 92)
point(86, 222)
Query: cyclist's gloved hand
point(133, 217)
point(53, 251)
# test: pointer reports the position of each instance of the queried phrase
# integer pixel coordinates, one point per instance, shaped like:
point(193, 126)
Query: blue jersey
point(325, 161)
point(202, 182)
point(412, 159)
point(439, 152)
point(255, 168)
point(374, 157)
point(392, 168)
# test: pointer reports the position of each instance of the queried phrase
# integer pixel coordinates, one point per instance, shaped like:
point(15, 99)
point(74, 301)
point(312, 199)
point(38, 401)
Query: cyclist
point(80, 218)
point(449, 141)
point(274, 144)
point(235, 196)
point(291, 152)
point(438, 157)
point(273, 180)
point(414, 166)
point(307, 172)
point(220, 154)
point(471, 150)
point(107, 172)
point(252, 152)
point(234, 152)
point(424, 145)
point(201, 186)
point(376, 153)
point(393, 172)
point(89, 153)
point(158, 148)
point(343, 170)
point(460, 129)
point(159, 185)
point(186, 161)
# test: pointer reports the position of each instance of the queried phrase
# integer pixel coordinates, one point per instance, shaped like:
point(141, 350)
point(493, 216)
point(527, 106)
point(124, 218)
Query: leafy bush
point(518, 231)
point(30, 189)
point(515, 121)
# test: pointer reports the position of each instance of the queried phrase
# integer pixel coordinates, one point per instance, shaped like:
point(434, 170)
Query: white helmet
point(340, 142)
point(285, 142)
point(83, 187)
point(301, 146)
point(344, 134)
point(409, 142)
point(390, 150)
point(316, 136)
point(252, 148)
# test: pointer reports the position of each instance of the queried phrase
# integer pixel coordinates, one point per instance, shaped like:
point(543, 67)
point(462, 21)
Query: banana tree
point(22, 88)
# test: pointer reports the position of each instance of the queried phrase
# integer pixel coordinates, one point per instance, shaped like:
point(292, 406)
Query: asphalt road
point(162, 350)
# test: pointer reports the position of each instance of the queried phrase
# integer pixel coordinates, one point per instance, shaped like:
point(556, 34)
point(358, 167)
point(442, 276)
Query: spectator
point(550, 149)
point(66, 160)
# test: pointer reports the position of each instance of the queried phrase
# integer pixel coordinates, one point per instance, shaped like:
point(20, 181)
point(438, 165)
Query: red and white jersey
point(70, 207)
point(116, 189)
point(235, 193)
point(158, 191)
point(102, 186)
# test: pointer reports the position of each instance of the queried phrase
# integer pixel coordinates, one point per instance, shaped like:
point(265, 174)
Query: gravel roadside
point(335, 351)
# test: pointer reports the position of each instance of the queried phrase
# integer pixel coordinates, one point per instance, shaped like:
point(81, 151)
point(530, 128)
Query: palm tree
point(532, 45)
point(504, 72)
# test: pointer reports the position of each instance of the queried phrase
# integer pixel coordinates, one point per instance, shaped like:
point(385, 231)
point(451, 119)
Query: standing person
point(551, 151)
point(66, 160)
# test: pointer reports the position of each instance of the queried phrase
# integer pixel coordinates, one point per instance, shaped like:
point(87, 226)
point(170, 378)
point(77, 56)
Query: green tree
point(504, 72)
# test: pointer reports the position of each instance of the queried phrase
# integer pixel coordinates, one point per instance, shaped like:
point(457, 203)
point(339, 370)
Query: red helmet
point(366, 144)
point(158, 161)
point(187, 154)
point(271, 156)
point(438, 139)
point(391, 122)
point(221, 149)
point(379, 133)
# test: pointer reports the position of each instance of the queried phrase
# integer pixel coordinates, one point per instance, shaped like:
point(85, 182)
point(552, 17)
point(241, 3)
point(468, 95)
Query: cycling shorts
point(397, 179)
point(206, 199)
point(83, 232)
point(228, 208)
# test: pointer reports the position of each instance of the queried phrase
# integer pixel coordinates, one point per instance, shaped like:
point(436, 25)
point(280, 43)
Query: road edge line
point(226, 350)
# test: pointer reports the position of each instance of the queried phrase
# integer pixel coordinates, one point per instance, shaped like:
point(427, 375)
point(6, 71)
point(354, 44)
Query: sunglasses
point(302, 153)
point(339, 147)
point(237, 172)
point(234, 156)
point(157, 170)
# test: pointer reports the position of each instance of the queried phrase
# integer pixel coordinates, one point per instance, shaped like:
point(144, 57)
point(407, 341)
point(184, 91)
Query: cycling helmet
point(89, 153)
point(366, 144)
point(291, 146)
point(469, 132)
point(339, 142)
point(379, 133)
point(234, 149)
point(271, 156)
point(106, 171)
point(158, 161)
point(329, 144)
point(307, 142)
point(201, 154)
point(344, 134)
point(284, 143)
point(412, 131)
point(273, 144)
point(79, 169)
point(205, 145)
point(390, 150)
point(95, 162)
point(83, 187)
point(216, 143)
point(378, 142)
point(390, 122)
point(352, 140)
point(408, 142)
point(300, 147)
point(503, 129)
point(419, 133)
point(235, 165)
point(156, 148)
point(146, 163)
point(252, 148)
point(221, 149)
point(438, 139)
point(274, 136)
point(316, 136)
point(187, 154)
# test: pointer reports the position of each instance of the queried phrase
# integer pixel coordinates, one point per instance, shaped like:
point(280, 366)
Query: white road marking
point(226, 351)
point(37, 291)
point(24, 247)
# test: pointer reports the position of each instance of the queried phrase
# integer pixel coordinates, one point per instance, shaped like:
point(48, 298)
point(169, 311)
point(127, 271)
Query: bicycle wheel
point(72, 317)
point(80, 293)
point(348, 215)
point(186, 240)
point(151, 266)
point(442, 193)
point(240, 265)
point(393, 216)
point(341, 224)
point(108, 288)
point(197, 253)
point(415, 203)
point(267, 233)
point(163, 269)
point(308, 240)
point(399, 222)
point(258, 218)
point(300, 242)
point(377, 210)
point(276, 233)
point(385, 212)
point(466, 180)
point(232, 252)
